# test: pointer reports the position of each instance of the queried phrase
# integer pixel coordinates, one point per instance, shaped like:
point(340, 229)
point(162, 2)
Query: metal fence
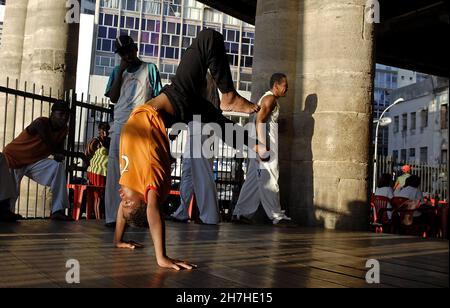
point(19, 107)
point(434, 179)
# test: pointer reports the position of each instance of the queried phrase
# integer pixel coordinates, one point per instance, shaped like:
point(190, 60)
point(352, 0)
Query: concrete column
point(12, 39)
point(51, 47)
point(326, 49)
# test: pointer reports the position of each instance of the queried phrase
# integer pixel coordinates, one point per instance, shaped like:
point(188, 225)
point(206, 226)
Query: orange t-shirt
point(28, 149)
point(145, 153)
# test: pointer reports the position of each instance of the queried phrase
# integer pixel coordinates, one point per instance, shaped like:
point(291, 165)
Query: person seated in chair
point(424, 214)
point(384, 189)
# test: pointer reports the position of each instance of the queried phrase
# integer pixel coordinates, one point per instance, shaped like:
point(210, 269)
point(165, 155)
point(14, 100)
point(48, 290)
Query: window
point(423, 118)
point(413, 121)
point(395, 155)
point(403, 155)
point(444, 116)
point(396, 124)
point(404, 122)
point(412, 154)
point(443, 156)
point(424, 155)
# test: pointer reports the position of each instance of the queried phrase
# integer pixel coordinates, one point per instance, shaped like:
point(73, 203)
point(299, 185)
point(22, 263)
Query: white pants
point(197, 178)
point(260, 186)
point(7, 182)
point(112, 197)
point(46, 172)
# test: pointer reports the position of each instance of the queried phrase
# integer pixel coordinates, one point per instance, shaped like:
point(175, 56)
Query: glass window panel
point(130, 22)
point(171, 28)
point(150, 25)
point(134, 35)
point(149, 50)
point(116, 19)
point(170, 53)
point(108, 20)
point(102, 31)
point(106, 45)
point(112, 33)
point(186, 42)
point(154, 39)
point(175, 40)
point(165, 39)
point(145, 37)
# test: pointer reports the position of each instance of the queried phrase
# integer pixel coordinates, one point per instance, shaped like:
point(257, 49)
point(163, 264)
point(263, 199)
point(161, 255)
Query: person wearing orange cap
point(400, 183)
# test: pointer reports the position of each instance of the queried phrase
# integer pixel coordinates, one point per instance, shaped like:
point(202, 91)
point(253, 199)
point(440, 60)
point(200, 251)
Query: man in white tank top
point(261, 183)
point(131, 84)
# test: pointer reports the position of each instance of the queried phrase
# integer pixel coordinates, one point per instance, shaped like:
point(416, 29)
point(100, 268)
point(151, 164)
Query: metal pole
point(376, 143)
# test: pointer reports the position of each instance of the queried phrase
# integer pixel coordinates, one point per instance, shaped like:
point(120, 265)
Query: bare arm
point(114, 93)
point(157, 232)
point(267, 106)
point(120, 230)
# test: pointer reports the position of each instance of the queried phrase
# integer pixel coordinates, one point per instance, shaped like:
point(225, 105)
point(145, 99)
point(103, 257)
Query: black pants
point(185, 91)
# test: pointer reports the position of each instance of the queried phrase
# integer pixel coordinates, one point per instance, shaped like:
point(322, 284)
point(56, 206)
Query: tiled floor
point(34, 254)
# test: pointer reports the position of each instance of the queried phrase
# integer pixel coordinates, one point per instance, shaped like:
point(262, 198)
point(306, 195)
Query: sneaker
point(277, 217)
point(59, 215)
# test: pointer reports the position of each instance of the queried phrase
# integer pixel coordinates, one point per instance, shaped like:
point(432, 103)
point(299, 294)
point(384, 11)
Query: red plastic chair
point(379, 217)
point(78, 192)
point(404, 218)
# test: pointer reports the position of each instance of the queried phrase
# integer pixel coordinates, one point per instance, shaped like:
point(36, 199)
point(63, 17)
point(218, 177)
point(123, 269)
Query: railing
point(434, 179)
point(18, 108)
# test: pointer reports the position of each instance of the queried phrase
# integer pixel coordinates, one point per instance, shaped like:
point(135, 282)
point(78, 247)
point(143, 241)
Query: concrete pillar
point(50, 53)
point(38, 47)
point(326, 49)
point(12, 39)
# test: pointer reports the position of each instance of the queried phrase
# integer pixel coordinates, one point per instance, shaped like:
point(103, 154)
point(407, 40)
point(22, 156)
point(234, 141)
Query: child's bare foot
point(232, 101)
point(177, 265)
point(128, 245)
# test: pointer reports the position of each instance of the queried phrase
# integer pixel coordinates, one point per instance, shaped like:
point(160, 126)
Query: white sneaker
point(277, 217)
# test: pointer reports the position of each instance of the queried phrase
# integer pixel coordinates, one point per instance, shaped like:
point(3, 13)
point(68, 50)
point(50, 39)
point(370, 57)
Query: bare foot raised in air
point(232, 101)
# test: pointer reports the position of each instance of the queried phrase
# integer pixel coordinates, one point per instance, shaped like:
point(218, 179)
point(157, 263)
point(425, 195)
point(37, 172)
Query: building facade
point(387, 79)
point(163, 30)
point(419, 129)
point(88, 7)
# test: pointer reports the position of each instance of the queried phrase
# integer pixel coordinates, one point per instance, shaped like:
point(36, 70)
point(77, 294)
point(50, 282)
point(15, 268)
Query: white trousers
point(112, 197)
point(197, 178)
point(260, 186)
point(46, 172)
